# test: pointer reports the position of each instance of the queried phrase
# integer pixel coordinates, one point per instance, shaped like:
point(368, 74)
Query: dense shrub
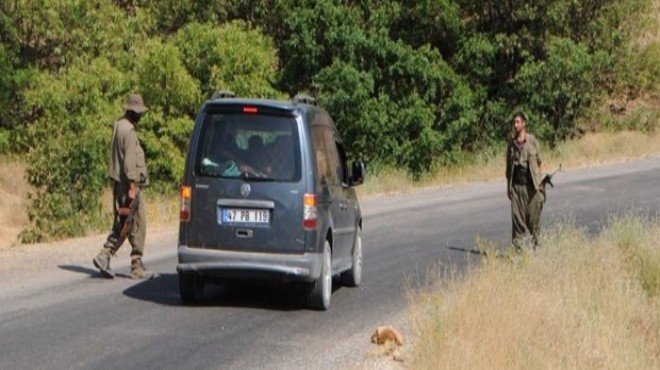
point(211, 55)
point(557, 89)
point(413, 97)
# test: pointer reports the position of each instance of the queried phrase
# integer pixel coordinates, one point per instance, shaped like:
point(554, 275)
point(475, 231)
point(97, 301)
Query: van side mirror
point(357, 173)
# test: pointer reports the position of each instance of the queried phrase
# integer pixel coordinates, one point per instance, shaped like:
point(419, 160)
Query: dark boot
point(102, 262)
point(138, 271)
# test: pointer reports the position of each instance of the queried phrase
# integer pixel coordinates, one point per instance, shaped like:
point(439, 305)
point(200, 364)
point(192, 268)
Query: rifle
point(129, 212)
point(547, 179)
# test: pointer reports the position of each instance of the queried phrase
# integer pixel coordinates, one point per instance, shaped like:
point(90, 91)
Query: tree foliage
point(230, 56)
point(67, 156)
point(409, 83)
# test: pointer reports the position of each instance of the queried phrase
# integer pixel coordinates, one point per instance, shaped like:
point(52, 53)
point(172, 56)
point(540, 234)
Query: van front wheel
point(319, 292)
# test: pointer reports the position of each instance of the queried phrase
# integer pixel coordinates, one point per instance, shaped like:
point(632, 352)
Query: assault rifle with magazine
point(547, 180)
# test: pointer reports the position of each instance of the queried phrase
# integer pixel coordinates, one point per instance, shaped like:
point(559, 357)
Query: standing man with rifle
point(525, 186)
point(128, 171)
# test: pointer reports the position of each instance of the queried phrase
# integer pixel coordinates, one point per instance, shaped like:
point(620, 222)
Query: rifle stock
point(547, 179)
point(129, 212)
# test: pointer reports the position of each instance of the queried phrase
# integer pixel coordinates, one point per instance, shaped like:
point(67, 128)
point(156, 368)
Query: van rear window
point(251, 146)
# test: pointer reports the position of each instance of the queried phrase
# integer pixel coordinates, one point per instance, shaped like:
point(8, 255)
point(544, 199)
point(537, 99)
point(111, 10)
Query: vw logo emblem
point(245, 190)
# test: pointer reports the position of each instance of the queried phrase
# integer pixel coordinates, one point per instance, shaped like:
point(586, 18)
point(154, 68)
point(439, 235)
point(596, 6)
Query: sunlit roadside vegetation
point(590, 150)
point(430, 100)
point(582, 301)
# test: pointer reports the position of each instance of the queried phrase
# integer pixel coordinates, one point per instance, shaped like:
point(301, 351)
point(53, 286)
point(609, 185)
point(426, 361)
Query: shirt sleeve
point(538, 152)
point(534, 165)
point(509, 162)
point(130, 155)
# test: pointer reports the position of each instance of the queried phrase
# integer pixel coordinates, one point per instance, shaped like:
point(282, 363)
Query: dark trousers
point(137, 232)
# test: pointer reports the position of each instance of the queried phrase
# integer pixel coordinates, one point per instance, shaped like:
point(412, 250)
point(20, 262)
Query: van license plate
point(245, 216)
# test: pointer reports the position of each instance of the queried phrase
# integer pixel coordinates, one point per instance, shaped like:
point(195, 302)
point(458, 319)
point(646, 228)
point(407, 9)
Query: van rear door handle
point(244, 233)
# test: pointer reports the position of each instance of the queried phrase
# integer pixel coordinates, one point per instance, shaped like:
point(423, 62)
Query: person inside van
point(252, 159)
point(255, 151)
point(221, 153)
point(280, 158)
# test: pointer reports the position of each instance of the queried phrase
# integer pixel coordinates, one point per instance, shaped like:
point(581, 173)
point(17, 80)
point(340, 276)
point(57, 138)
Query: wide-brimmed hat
point(135, 103)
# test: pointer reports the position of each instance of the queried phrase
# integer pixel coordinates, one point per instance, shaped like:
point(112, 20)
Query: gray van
point(267, 195)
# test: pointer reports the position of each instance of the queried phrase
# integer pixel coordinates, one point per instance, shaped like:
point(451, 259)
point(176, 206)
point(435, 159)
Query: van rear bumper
point(249, 265)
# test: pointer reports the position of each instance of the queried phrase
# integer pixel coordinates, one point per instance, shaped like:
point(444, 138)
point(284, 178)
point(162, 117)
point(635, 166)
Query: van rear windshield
point(251, 146)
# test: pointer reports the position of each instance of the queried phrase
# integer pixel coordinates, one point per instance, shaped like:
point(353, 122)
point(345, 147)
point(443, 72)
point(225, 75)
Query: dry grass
point(13, 200)
point(652, 34)
point(576, 304)
point(162, 210)
point(601, 148)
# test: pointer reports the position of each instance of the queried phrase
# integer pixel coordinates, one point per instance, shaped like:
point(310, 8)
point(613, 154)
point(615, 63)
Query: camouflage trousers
point(526, 207)
point(137, 232)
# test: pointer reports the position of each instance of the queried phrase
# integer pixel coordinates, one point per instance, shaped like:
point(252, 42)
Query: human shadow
point(91, 271)
point(496, 253)
point(163, 289)
point(468, 250)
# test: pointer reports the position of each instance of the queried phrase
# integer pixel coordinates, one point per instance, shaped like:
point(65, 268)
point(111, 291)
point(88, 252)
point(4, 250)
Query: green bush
point(558, 89)
point(164, 149)
point(379, 130)
point(643, 119)
point(211, 55)
point(416, 97)
point(646, 69)
point(68, 175)
point(67, 162)
point(163, 80)
point(4, 141)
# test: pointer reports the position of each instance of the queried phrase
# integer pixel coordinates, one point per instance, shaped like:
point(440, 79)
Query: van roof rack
point(304, 99)
point(223, 94)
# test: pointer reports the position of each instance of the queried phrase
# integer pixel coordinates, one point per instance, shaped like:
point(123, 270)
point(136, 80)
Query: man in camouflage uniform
point(128, 171)
point(524, 186)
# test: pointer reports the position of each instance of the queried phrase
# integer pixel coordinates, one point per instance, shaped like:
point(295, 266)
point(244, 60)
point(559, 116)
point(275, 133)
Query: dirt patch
point(13, 202)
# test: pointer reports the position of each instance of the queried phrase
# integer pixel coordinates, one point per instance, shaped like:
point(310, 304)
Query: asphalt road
point(64, 316)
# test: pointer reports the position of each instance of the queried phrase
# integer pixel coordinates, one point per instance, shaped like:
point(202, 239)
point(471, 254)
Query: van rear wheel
point(319, 292)
point(191, 288)
point(353, 277)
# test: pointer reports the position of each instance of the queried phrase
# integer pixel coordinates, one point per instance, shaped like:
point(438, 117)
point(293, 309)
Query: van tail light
point(186, 194)
point(309, 211)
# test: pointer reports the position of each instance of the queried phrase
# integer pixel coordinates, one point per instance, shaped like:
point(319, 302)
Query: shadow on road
point(500, 253)
point(468, 250)
point(81, 270)
point(91, 271)
point(86, 270)
point(163, 289)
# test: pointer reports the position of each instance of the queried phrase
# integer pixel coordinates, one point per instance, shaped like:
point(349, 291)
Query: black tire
point(353, 276)
point(320, 291)
point(191, 288)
